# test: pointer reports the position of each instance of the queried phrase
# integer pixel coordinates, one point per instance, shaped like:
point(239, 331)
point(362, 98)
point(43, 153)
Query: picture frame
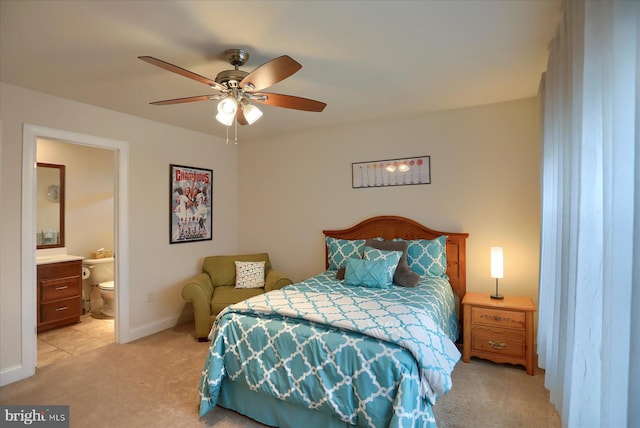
point(191, 196)
point(391, 172)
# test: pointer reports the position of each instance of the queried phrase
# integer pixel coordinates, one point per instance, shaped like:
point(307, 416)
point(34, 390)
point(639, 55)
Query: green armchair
point(214, 289)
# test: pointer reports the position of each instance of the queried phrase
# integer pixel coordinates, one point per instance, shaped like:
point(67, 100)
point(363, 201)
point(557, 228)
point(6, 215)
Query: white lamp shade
point(497, 262)
point(228, 106)
point(225, 119)
point(251, 113)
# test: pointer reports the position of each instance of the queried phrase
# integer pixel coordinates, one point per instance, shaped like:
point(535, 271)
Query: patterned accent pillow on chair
point(339, 250)
point(249, 274)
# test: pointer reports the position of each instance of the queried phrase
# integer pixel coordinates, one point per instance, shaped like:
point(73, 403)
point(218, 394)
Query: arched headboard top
point(389, 227)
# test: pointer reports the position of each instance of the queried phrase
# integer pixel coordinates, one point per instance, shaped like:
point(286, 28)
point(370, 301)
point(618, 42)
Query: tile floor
point(90, 333)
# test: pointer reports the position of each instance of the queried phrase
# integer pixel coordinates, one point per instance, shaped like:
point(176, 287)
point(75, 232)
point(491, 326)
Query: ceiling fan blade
point(270, 73)
point(181, 71)
point(240, 117)
point(289, 101)
point(186, 100)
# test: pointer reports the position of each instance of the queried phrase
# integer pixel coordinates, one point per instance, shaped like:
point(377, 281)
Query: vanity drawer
point(60, 270)
point(502, 342)
point(498, 318)
point(60, 288)
point(61, 309)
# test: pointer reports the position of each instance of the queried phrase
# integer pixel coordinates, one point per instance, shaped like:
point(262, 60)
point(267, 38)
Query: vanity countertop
point(57, 258)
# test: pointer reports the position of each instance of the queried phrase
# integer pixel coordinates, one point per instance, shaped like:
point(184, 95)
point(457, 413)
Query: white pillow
point(249, 274)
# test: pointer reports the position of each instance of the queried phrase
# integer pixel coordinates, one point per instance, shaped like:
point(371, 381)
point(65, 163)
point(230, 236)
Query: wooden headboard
point(389, 227)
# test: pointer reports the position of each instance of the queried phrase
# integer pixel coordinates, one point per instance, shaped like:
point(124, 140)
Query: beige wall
point(485, 181)
point(154, 266)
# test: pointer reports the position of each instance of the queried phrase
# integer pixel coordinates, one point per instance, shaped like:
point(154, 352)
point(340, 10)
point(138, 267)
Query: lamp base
point(497, 296)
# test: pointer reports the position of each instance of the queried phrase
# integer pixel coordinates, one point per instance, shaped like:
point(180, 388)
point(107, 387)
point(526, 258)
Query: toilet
point(100, 273)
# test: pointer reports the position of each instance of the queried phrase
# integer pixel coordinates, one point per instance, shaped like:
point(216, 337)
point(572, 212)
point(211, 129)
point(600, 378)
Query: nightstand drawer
point(498, 318)
point(498, 342)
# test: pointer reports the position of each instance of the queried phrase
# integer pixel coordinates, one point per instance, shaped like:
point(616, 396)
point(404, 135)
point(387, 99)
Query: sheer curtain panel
point(589, 314)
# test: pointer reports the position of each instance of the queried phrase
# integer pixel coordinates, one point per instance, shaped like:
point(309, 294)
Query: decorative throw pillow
point(428, 257)
point(392, 257)
point(403, 276)
point(339, 250)
point(369, 273)
point(249, 274)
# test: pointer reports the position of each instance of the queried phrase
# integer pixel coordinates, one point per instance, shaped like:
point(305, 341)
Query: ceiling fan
point(237, 88)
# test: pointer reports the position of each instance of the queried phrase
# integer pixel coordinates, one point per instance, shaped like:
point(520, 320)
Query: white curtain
point(589, 310)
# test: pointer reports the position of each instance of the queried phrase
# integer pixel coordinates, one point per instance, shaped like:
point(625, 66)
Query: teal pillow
point(428, 257)
point(369, 273)
point(339, 250)
point(391, 257)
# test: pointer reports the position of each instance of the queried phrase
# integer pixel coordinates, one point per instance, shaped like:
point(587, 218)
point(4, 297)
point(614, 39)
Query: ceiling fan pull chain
point(227, 142)
point(236, 136)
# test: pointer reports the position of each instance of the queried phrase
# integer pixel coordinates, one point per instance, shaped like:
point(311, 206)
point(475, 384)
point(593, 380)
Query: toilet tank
point(100, 270)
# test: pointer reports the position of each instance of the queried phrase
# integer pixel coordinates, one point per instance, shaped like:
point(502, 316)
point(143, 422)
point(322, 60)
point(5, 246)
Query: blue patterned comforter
point(373, 357)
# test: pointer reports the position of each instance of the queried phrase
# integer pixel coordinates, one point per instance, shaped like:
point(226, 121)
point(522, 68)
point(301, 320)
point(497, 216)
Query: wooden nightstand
point(498, 330)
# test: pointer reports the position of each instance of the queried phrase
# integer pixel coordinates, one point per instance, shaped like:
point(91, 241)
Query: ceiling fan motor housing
point(231, 78)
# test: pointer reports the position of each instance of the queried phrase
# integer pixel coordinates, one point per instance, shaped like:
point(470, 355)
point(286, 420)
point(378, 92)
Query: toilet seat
point(106, 286)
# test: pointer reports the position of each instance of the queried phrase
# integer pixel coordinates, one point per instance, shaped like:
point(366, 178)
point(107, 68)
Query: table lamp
point(497, 268)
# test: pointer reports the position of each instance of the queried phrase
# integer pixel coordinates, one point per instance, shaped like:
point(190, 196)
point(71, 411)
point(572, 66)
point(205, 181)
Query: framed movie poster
point(191, 203)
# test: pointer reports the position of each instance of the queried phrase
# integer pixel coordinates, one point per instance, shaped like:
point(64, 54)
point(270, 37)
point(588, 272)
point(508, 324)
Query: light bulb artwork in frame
point(391, 172)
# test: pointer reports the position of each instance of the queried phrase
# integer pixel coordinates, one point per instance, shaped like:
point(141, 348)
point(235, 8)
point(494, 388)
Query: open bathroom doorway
point(120, 153)
point(89, 232)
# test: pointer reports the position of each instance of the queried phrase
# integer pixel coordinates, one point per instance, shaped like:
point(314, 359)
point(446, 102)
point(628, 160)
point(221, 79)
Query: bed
point(329, 352)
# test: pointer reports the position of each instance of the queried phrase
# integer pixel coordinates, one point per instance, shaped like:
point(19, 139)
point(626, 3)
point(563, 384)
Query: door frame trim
point(31, 133)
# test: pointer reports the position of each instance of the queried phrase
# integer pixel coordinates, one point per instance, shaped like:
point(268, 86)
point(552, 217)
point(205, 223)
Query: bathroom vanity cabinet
point(59, 294)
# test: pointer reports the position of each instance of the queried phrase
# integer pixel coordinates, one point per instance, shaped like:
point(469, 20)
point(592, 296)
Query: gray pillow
point(403, 276)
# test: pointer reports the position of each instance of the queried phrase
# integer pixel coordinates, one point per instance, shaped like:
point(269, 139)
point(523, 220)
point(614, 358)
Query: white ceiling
point(365, 59)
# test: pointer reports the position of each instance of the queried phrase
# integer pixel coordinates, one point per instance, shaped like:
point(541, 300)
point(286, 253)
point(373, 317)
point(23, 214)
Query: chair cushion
point(226, 295)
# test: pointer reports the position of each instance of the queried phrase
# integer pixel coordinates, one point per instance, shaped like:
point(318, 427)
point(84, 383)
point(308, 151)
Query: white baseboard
point(158, 326)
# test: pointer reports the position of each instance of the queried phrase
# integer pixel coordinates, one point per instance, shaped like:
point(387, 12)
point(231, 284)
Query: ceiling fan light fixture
point(228, 106)
point(225, 119)
point(251, 113)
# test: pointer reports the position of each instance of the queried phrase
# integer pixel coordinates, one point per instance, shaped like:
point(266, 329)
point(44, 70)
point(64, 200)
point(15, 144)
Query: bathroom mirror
point(50, 205)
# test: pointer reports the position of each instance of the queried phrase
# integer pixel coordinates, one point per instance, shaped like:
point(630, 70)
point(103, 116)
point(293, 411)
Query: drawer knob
point(62, 287)
point(497, 345)
point(62, 308)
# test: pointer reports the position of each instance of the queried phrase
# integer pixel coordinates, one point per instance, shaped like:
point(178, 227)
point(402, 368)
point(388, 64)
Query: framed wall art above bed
point(391, 172)
point(355, 351)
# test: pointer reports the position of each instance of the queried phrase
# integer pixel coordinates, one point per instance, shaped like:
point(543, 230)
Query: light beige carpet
point(153, 382)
